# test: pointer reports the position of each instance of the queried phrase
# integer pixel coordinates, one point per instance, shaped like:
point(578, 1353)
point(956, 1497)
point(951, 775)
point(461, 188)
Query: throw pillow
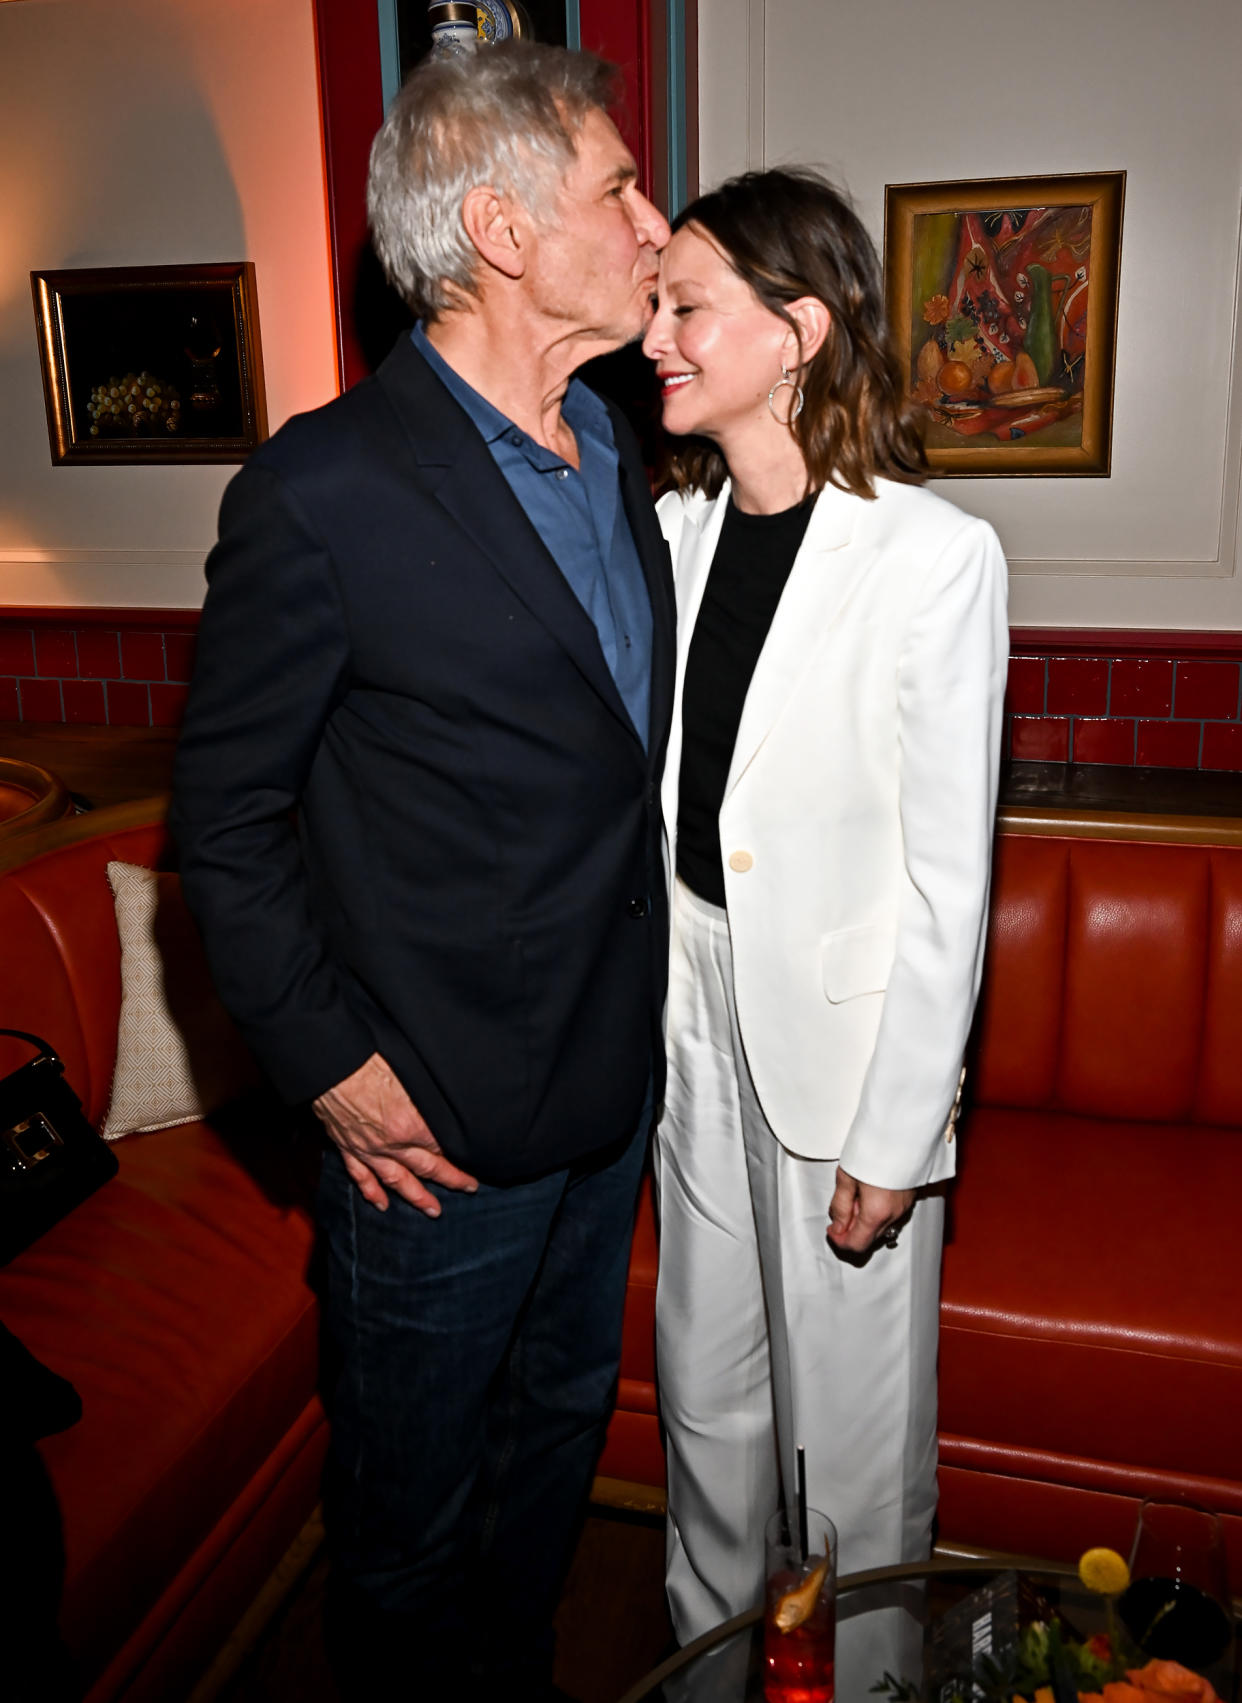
point(178, 1054)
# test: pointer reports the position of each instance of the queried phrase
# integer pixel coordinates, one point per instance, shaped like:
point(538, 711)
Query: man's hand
point(859, 1213)
point(384, 1141)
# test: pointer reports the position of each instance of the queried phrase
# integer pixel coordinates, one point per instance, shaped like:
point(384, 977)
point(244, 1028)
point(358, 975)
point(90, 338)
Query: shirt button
point(562, 473)
point(515, 438)
point(741, 861)
point(637, 907)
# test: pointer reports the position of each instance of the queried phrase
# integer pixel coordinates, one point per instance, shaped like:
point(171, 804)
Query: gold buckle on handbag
point(31, 1141)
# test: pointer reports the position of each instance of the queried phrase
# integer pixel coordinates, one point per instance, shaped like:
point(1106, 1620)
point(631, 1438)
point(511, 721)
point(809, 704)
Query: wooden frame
point(185, 339)
point(1002, 297)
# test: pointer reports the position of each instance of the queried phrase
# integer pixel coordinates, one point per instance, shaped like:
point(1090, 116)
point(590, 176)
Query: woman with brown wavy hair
point(829, 795)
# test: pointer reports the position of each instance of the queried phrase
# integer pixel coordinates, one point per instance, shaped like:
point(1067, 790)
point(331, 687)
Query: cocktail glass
point(800, 1620)
point(1176, 1607)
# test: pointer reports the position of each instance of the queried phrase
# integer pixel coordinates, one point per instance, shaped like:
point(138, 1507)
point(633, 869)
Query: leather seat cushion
point(175, 1300)
point(638, 1331)
point(1092, 1300)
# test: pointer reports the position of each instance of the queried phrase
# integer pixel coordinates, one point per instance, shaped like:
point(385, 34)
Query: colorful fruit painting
point(1002, 297)
point(998, 319)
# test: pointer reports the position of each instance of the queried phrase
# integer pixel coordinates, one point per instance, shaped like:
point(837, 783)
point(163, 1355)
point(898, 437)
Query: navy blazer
point(413, 815)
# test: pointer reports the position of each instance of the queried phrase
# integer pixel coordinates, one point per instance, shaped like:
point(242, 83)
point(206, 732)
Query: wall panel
point(892, 93)
point(143, 133)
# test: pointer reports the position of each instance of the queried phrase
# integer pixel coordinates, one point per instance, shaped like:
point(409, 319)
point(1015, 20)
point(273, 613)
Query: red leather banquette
point(1091, 1321)
point(175, 1300)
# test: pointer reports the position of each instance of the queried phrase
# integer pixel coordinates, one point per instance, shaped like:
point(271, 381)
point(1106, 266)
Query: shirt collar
point(585, 413)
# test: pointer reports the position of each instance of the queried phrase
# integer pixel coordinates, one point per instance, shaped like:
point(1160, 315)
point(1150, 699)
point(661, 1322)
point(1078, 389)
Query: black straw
point(803, 1534)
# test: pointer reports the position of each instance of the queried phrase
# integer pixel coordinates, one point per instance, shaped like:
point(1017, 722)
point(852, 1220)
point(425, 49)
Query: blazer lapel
point(700, 534)
point(654, 559)
point(457, 469)
point(824, 574)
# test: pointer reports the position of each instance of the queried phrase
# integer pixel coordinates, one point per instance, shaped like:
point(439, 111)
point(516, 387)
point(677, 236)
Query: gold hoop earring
point(786, 381)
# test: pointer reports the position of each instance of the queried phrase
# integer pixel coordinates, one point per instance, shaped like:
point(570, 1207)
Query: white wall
point(147, 132)
point(896, 91)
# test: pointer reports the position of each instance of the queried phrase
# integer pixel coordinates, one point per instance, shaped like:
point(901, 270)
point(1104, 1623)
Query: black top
point(748, 574)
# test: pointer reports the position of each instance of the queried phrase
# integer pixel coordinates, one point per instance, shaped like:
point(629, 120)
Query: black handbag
point(50, 1157)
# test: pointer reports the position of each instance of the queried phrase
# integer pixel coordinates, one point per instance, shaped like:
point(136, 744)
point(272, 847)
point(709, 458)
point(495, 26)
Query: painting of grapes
point(1002, 298)
point(151, 363)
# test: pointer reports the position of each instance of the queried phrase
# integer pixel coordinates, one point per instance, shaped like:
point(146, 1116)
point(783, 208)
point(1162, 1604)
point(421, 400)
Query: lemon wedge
point(1103, 1571)
point(794, 1606)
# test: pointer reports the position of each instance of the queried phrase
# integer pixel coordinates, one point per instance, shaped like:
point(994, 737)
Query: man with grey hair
point(416, 799)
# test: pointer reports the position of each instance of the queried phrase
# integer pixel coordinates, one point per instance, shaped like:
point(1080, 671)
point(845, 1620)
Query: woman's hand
point(859, 1212)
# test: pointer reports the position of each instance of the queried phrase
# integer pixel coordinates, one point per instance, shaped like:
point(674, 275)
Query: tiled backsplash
point(1168, 700)
point(1171, 701)
point(116, 667)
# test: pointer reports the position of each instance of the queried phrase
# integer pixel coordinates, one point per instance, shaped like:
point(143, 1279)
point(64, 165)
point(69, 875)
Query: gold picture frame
point(149, 364)
point(1002, 298)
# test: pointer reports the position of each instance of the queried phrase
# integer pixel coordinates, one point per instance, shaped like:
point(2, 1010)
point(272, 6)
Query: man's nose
point(649, 222)
point(655, 343)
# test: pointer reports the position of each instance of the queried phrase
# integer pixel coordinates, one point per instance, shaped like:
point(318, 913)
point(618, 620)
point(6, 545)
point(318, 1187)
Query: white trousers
point(766, 1338)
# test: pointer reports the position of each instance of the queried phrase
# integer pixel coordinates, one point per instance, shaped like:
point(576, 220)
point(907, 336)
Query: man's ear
point(498, 228)
point(812, 318)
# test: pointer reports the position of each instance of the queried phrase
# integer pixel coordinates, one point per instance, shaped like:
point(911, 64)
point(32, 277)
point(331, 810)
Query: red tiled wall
point(131, 672)
point(1171, 701)
point(1161, 700)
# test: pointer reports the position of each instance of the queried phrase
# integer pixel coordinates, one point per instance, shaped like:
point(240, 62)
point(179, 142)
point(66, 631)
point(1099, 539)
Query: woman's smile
point(716, 348)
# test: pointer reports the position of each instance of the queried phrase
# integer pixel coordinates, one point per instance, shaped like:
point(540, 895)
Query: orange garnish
point(794, 1606)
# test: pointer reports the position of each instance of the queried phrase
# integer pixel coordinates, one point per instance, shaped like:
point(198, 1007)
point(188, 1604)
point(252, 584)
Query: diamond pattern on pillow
point(178, 1054)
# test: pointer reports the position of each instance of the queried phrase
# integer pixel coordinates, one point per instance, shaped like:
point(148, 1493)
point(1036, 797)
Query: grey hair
point(505, 117)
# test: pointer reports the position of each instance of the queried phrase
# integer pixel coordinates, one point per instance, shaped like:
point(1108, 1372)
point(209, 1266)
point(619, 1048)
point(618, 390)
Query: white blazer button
point(741, 861)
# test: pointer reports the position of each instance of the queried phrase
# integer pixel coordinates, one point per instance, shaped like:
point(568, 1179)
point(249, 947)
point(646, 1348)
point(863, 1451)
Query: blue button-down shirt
point(578, 514)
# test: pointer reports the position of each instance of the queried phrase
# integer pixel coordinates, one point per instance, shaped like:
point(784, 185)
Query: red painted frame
point(351, 105)
point(634, 36)
point(631, 33)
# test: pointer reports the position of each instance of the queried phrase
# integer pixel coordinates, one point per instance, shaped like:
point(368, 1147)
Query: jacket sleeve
point(272, 661)
point(950, 688)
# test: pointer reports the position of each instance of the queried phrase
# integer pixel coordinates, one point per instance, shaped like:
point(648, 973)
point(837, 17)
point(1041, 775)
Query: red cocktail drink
point(798, 1664)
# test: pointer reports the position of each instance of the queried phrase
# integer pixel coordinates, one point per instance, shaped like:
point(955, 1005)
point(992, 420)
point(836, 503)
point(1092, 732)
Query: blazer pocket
point(856, 961)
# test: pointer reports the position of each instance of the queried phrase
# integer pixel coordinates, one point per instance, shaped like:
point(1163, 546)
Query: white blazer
point(856, 825)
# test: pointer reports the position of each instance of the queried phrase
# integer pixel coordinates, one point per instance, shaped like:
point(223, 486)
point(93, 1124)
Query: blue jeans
point(475, 1366)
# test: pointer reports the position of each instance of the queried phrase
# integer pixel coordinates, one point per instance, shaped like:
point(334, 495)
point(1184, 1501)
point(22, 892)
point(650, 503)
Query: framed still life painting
point(1002, 296)
point(151, 363)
